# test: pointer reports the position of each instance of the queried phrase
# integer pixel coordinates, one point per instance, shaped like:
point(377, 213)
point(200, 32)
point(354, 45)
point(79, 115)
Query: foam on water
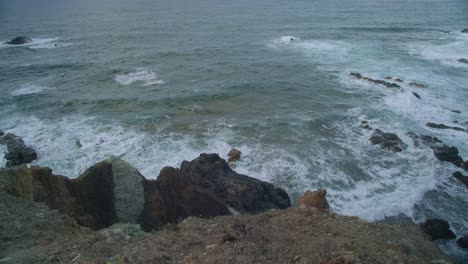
point(3, 150)
point(145, 76)
point(38, 43)
point(29, 88)
point(311, 47)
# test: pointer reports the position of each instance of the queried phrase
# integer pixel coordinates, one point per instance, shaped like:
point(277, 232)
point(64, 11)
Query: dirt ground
point(30, 233)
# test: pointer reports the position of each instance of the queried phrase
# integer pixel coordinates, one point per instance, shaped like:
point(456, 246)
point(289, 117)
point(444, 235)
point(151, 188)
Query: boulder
point(20, 40)
point(459, 176)
point(17, 152)
point(388, 141)
point(243, 193)
point(316, 199)
point(442, 126)
point(234, 155)
point(462, 60)
point(364, 124)
point(415, 84)
point(381, 82)
point(417, 95)
point(448, 154)
point(437, 229)
point(463, 242)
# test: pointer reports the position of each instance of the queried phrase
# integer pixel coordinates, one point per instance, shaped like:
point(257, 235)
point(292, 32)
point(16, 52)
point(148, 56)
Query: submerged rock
point(463, 179)
point(20, 40)
point(437, 229)
point(417, 95)
point(388, 141)
point(243, 193)
point(463, 242)
point(442, 126)
point(234, 155)
point(17, 152)
point(316, 199)
point(384, 83)
point(420, 85)
point(462, 60)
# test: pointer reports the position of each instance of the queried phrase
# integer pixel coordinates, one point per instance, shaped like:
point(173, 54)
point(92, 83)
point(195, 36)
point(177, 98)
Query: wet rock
point(456, 111)
point(364, 124)
point(388, 78)
point(415, 84)
point(459, 176)
point(398, 80)
point(241, 192)
point(417, 95)
point(381, 82)
point(463, 242)
point(448, 154)
point(234, 155)
point(465, 30)
point(465, 165)
point(437, 229)
point(17, 152)
point(316, 199)
point(462, 60)
point(388, 141)
point(442, 126)
point(20, 40)
point(424, 139)
point(1, 133)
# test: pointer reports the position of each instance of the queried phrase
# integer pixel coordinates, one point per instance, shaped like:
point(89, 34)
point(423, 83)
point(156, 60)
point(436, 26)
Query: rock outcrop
point(388, 141)
point(416, 84)
point(465, 30)
point(463, 242)
point(316, 199)
point(234, 155)
point(442, 126)
point(417, 95)
point(112, 191)
point(17, 152)
point(243, 193)
point(441, 151)
point(20, 40)
point(381, 82)
point(365, 124)
point(437, 229)
point(462, 60)
point(459, 176)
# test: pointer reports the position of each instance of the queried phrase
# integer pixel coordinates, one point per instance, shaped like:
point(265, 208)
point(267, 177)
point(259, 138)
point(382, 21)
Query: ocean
point(158, 82)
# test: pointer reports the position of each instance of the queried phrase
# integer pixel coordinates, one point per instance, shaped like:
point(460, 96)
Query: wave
point(29, 89)
point(147, 77)
point(451, 49)
point(38, 43)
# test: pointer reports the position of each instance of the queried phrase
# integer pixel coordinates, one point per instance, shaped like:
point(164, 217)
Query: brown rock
point(315, 199)
point(234, 155)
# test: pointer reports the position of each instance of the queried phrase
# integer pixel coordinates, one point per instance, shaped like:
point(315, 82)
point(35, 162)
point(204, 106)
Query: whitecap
point(29, 89)
point(143, 75)
point(38, 43)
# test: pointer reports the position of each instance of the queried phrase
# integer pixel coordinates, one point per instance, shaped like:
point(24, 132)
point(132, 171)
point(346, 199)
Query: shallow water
point(157, 82)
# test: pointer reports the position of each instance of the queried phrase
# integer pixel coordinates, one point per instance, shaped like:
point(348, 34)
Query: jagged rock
point(463, 242)
point(20, 40)
point(447, 153)
point(417, 95)
point(173, 197)
point(442, 126)
point(388, 141)
point(465, 30)
point(384, 83)
point(462, 60)
point(243, 193)
point(437, 229)
point(316, 199)
point(459, 176)
point(420, 85)
point(424, 139)
point(398, 80)
point(17, 152)
point(234, 155)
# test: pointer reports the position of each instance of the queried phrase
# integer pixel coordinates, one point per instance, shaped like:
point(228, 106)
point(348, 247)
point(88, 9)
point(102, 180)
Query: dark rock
point(424, 139)
point(398, 80)
point(447, 153)
point(417, 95)
point(442, 126)
point(1, 133)
point(234, 155)
point(364, 124)
point(456, 111)
point(316, 199)
point(465, 30)
point(463, 242)
point(465, 165)
point(19, 40)
point(381, 82)
point(388, 141)
point(437, 229)
point(17, 152)
point(420, 85)
point(243, 193)
point(388, 78)
point(459, 176)
point(462, 60)
point(173, 197)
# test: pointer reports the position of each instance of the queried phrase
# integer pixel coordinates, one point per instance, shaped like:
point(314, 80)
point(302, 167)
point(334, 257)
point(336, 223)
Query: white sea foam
point(38, 43)
point(147, 77)
point(27, 89)
point(3, 150)
point(447, 53)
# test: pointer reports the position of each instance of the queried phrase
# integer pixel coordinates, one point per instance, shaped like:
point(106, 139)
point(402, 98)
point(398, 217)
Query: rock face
point(463, 179)
point(112, 191)
point(388, 141)
point(20, 40)
point(316, 199)
point(381, 82)
point(243, 193)
point(442, 126)
point(17, 152)
point(441, 151)
point(234, 155)
point(463, 242)
point(437, 229)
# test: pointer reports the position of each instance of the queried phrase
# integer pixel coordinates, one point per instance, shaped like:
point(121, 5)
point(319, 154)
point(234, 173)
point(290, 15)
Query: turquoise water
point(158, 82)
